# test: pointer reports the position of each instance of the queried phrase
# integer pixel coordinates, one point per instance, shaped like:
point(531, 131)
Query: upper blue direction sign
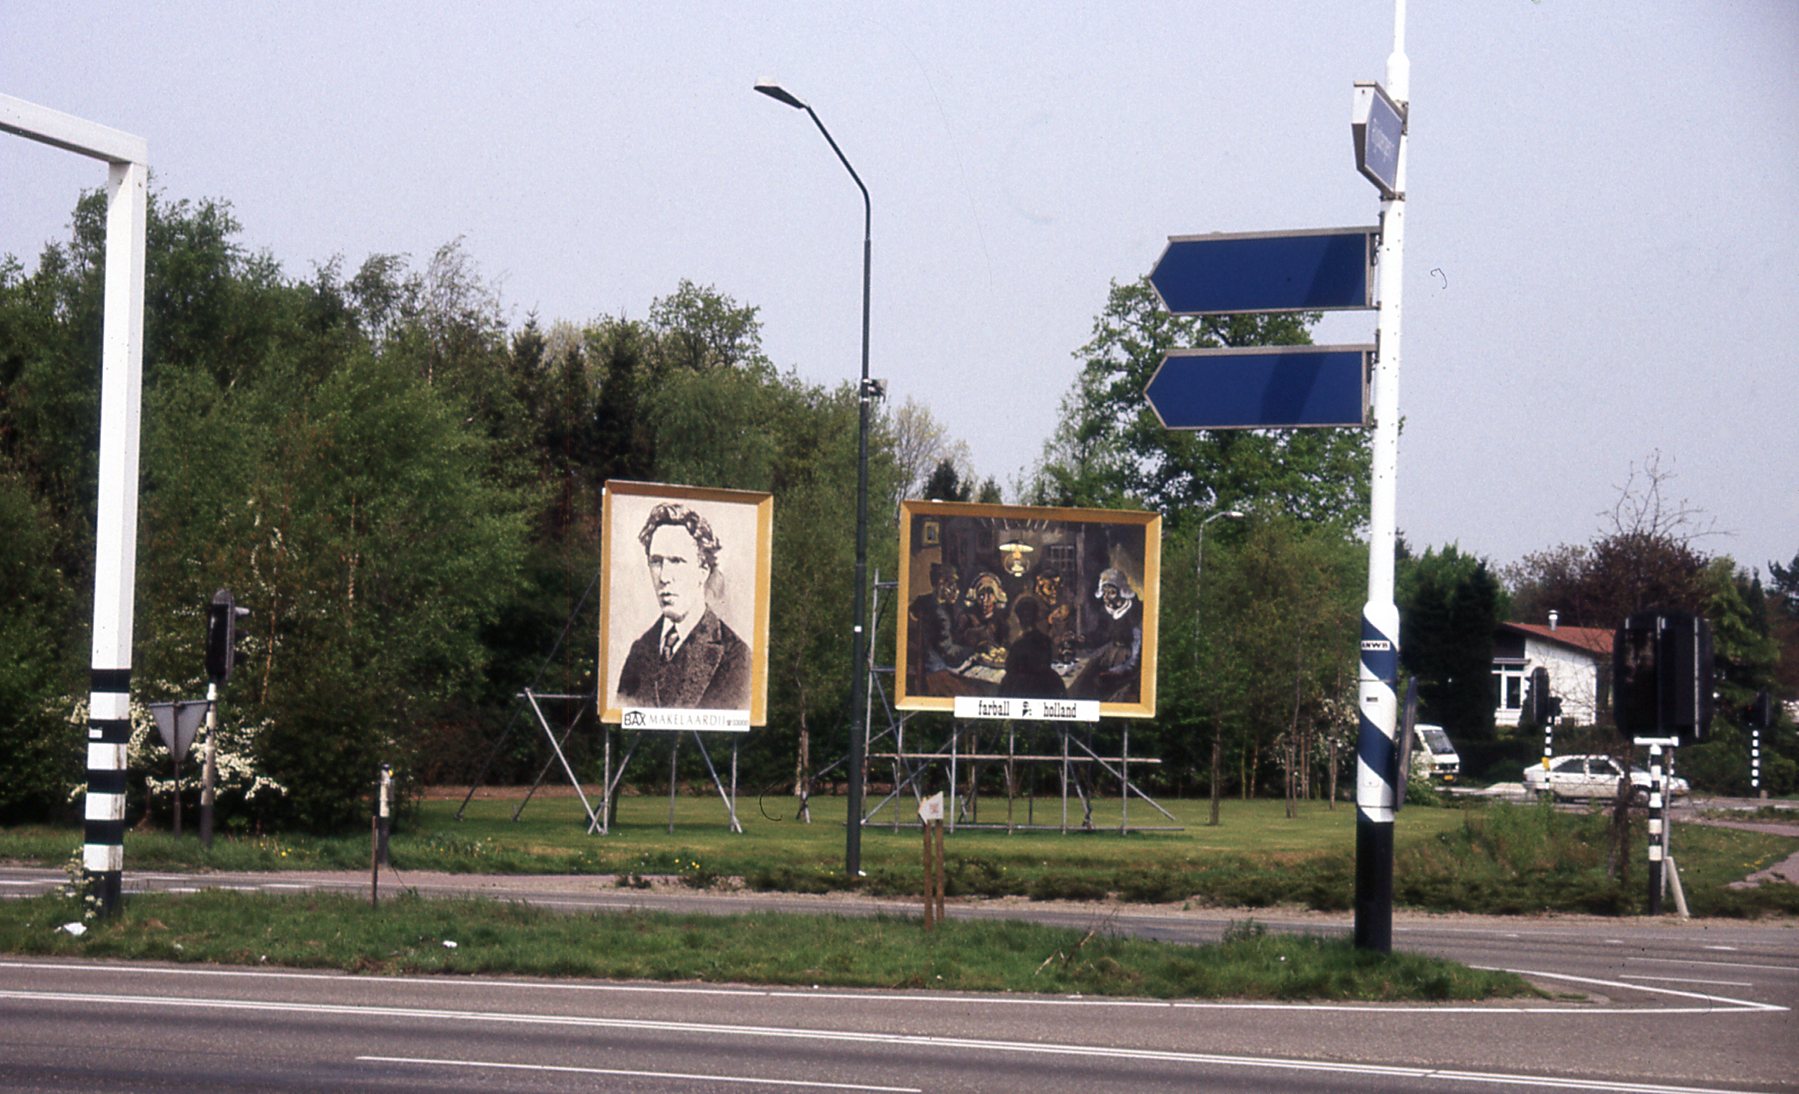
point(1270, 387)
point(1378, 125)
point(1322, 269)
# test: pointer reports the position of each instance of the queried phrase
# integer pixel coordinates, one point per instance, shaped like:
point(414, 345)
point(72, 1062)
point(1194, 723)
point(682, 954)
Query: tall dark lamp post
point(867, 392)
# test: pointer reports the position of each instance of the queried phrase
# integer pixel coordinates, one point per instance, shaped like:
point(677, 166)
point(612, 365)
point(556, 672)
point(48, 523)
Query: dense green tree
point(327, 450)
point(1254, 669)
point(945, 484)
point(403, 491)
point(1783, 624)
point(1450, 608)
point(1647, 559)
point(1744, 653)
point(1110, 449)
point(39, 758)
point(1303, 586)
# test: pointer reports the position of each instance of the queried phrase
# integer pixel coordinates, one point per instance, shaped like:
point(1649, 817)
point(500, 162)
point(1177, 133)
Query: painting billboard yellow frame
point(976, 620)
point(737, 590)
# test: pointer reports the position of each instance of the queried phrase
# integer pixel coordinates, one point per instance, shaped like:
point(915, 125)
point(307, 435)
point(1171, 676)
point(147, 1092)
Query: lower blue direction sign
point(1325, 269)
point(1270, 387)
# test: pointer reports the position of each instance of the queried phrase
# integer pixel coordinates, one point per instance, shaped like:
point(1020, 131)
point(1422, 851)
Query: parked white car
point(1586, 777)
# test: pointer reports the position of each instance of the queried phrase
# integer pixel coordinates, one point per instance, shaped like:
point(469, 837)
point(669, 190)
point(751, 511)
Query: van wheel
point(1639, 795)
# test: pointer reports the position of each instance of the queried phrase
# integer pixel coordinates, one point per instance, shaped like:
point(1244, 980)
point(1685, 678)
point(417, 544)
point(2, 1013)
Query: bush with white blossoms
point(238, 781)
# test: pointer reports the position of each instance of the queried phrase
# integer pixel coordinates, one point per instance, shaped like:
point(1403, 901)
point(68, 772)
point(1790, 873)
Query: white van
point(1433, 757)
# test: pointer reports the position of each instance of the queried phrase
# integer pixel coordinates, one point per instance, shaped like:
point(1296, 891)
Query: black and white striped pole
point(1657, 832)
point(1377, 765)
point(1543, 709)
point(1761, 716)
point(127, 161)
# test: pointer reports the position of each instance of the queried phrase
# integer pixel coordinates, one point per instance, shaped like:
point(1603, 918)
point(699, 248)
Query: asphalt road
point(1640, 1005)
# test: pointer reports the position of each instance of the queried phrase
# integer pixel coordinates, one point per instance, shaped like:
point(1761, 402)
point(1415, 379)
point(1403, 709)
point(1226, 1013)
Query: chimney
point(1554, 617)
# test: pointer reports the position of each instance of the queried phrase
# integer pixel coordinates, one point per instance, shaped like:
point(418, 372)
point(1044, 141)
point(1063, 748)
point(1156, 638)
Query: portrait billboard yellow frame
point(1091, 632)
point(737, 590)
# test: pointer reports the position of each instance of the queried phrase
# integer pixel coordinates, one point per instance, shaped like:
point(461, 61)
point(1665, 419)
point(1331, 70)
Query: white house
point(1579, 660)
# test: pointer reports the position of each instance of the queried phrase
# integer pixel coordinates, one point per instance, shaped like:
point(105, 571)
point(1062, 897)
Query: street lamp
point(867, 392)
point(1199, 546)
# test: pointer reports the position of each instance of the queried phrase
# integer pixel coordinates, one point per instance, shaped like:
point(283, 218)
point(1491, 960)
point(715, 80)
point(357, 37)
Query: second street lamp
point(867, 391)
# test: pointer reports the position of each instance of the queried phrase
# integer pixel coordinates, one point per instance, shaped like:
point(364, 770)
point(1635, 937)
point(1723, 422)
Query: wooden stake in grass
point(930, 811)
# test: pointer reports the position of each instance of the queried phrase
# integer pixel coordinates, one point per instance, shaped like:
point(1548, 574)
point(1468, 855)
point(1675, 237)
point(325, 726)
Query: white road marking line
point(283, 884)
point(1713, 964)
point(1077, 1001)
point(1731, 948)
point(1746, 1004)
point(934, 1043)
point(38, 882)
point(634, 1074)
point(1683, 980)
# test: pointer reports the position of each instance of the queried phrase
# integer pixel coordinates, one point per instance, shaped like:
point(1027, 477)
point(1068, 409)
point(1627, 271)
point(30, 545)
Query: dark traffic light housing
point(222, 654)
point(1662, 675)
point(1761, 711)
point(1542, 707)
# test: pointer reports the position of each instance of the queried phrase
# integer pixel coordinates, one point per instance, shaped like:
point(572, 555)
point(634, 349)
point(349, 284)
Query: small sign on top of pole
point(930, 812)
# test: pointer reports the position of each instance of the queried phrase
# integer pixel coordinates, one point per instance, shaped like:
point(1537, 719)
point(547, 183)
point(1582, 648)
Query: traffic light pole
point(209, 772)
point(1377, 766)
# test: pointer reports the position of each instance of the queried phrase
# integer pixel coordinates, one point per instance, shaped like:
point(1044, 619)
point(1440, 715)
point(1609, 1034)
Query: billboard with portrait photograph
point(684, 621)
point(1024, 602)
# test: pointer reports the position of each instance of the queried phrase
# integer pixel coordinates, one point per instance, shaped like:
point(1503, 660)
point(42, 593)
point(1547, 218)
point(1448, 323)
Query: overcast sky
point(1601, 257)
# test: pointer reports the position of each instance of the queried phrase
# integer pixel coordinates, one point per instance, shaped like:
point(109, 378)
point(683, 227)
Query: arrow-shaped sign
point(1271, 387)
point(1325, 269)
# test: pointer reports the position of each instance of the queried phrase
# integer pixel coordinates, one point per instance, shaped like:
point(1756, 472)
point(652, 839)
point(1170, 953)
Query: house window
point(1508, 685)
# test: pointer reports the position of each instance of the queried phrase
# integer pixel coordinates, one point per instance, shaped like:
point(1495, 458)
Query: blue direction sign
point(1378, 125)
point(1268, 387)
point(1324, 269)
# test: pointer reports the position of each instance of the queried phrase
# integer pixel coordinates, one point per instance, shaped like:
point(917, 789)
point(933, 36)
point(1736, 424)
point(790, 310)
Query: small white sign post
point(930, 812)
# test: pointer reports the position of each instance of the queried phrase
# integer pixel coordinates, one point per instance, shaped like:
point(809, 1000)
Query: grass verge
point(1470, 857)
point(413, 935)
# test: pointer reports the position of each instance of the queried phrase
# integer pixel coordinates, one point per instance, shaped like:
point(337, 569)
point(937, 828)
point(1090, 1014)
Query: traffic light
point(1541, 709)
point(222, 654)
point(1761, 711)
point(1662, 675)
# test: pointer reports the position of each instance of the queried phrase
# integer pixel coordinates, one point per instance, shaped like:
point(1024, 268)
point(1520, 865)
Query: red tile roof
point(1594, 640)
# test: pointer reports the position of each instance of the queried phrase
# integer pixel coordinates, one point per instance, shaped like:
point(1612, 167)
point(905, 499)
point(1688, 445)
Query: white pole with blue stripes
point(1376, 769)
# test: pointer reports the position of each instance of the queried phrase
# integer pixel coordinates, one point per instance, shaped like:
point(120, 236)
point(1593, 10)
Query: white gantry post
point(115, 533)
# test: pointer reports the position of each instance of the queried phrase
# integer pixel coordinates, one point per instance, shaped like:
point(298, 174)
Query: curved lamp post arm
point(866, 392)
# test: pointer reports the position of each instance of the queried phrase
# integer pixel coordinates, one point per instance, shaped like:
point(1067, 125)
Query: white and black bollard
point(1755, 762)
point(108, 737)
point(1657, 831)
